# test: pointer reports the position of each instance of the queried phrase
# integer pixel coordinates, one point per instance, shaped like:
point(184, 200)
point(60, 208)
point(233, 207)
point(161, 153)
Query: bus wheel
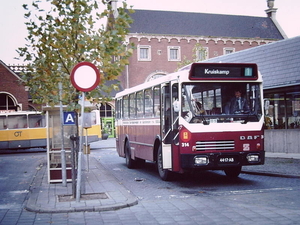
point(233, 171)
point(129, 161)
point(140, 163)
point(164, 174)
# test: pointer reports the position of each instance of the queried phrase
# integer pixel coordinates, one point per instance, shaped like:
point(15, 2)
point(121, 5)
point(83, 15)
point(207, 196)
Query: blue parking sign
point(69, 118)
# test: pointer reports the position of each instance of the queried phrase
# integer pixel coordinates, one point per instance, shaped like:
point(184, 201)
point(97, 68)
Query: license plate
point(227, 160)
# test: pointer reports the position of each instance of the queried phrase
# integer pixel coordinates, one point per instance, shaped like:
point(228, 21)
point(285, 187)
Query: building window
point(202, 53)
point(7, 102)
point(228, 51)
point(174, 53)
point(144, 53)
point(106, 110)
point(155, 76)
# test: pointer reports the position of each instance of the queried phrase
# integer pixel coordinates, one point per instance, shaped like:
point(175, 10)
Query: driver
point(239, 104)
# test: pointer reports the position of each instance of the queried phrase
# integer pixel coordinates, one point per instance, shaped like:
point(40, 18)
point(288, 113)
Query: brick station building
point(14, 95)
point(164, 38)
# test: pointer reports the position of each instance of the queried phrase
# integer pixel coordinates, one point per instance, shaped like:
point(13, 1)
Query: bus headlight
point(252, 158)
point(201, 160)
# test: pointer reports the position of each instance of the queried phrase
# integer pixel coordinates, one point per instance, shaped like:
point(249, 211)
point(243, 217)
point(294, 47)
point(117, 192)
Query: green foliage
point(62, 33)
point(195, 58)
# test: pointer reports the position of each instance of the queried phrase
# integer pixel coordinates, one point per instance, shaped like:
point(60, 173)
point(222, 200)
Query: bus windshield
point(219, 102)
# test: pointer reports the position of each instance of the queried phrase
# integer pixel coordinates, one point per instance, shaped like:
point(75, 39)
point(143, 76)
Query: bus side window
point(119, 109)
point(140, 104)
point(148, 103)
point(35, 121)
point(156, 100)
point(15, 122)
point(132, 106)
point(3, 123)
point(125, 107)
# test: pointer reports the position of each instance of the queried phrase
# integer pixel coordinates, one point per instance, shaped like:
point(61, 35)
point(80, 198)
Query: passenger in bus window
point(199, 109)
point(38, 123)
point(157, 110)
point(239, 104)
point(185, 110)
point(176, 105)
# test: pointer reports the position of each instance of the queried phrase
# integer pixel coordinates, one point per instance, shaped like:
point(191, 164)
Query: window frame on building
point(144, 56)
point(202, 54)
point(225, 50)
point(171, 55)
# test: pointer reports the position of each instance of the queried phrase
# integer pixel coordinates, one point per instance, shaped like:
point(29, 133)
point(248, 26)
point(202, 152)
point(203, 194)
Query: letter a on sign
point(69, 118)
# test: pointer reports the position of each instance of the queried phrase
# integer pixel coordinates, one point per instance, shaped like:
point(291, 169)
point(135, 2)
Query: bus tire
point(140, 163)
point(163, 173)
point(130, 163)
point(233, 172)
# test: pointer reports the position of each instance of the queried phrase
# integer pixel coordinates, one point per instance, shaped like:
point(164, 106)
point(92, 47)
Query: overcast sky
point(13, 30)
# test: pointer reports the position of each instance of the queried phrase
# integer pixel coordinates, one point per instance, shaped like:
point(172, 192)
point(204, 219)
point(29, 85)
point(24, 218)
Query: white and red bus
point(193, 119)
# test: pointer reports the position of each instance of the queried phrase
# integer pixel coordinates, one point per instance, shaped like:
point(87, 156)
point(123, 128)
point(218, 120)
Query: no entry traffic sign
point(85, 76)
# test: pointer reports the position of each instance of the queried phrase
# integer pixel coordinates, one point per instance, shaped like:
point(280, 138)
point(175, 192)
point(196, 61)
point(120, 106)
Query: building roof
point(203, 24)
point(278, 62)
point(10, 70)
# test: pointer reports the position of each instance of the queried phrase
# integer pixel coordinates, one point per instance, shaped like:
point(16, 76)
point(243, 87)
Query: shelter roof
point(278, 62)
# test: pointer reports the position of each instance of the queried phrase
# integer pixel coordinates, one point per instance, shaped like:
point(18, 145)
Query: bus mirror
point(176, 139)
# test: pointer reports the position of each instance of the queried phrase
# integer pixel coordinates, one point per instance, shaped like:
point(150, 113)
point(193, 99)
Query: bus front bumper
point(212, 161)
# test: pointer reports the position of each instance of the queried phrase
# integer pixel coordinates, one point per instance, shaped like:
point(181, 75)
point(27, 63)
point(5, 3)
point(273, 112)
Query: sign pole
point(87, 150)
point(78, 187)
point(63, 152)
point(84, 77)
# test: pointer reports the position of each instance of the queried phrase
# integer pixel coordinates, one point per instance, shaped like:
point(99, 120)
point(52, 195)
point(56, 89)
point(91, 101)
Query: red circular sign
point(85, 76)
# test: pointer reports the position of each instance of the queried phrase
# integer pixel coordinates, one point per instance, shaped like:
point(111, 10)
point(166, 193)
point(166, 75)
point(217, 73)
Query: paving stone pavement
point(42, 199)
point(43, 196)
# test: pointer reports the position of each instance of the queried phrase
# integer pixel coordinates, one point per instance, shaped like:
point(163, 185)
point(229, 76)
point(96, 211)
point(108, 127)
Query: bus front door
point(169, 119)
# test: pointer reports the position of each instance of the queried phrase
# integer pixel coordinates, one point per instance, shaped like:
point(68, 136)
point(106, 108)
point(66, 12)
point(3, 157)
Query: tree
point(199, 54)
point(69, 32)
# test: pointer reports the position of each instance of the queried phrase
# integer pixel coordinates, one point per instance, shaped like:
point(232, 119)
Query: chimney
point(271, 12)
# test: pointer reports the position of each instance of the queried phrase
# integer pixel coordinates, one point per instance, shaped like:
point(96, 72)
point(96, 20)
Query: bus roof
point(17, 113)
point(152, 83)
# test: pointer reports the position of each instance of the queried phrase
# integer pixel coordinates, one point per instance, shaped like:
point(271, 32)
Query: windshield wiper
point(198, 117)
point(205, 122)
point(248, 118)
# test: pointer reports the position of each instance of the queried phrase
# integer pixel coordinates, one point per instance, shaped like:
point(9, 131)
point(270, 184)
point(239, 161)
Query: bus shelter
point(55, 141)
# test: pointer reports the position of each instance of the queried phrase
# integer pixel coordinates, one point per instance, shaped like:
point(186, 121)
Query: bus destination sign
point(247, 71)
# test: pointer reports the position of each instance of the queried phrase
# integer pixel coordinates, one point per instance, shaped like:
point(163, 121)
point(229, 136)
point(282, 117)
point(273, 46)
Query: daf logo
point(251, 137)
